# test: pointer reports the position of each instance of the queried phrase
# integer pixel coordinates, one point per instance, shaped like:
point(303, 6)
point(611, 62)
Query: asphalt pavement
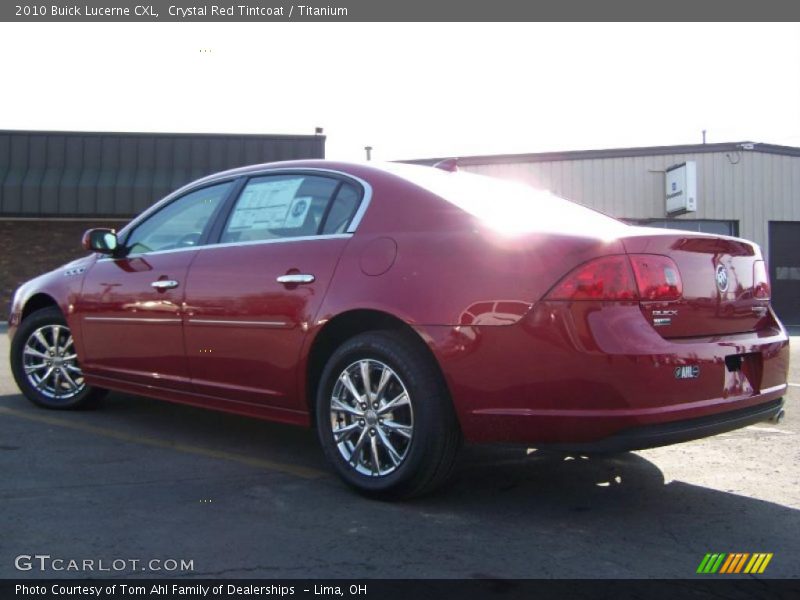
point(141, 480)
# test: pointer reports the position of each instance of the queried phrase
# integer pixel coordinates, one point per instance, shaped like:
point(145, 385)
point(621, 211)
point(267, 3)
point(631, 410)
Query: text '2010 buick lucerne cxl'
point(402, 310)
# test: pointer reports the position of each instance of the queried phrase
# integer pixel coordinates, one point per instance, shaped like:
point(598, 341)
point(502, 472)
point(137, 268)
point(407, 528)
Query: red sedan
point(403, 309)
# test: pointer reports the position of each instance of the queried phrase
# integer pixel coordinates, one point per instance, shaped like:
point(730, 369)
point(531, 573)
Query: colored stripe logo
point(737, 562)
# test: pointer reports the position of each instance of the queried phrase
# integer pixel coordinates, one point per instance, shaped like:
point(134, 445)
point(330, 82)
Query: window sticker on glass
point(297, 212)
point(268, 205)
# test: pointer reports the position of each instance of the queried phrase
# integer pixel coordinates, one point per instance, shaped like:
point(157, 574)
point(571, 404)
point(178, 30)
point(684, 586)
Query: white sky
point(411, 90)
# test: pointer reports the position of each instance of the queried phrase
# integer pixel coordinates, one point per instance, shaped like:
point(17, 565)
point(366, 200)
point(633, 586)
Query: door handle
point(164, 284)
point(296, 278)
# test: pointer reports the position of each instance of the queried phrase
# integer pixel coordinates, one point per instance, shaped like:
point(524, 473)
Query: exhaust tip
point(778, 417)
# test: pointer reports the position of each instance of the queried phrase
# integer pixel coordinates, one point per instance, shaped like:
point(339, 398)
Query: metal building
point(74, 174)
point(53, 185)
point(746, 189)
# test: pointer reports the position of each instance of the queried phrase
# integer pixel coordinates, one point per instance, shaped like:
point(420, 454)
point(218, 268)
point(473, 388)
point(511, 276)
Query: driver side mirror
point(100, 240)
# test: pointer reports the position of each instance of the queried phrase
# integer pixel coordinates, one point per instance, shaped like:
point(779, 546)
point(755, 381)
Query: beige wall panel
point(750, 187)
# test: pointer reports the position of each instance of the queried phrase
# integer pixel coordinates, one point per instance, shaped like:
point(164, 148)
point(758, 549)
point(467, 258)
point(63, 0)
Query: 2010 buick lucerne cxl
point(404, 309)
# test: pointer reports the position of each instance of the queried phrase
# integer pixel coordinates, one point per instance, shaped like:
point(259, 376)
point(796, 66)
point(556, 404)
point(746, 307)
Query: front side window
point(280, 206)
point(180, 224)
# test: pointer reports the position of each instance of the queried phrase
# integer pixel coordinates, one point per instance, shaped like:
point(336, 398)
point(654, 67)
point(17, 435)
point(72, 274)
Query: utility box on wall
point(681, 188)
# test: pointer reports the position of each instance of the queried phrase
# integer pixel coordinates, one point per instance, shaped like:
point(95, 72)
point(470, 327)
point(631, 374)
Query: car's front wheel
point(45, 365)
point(384, 417)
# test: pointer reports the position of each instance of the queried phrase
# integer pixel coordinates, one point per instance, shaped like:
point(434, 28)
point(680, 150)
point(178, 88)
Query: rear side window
point(290, 206)
point(342, 209)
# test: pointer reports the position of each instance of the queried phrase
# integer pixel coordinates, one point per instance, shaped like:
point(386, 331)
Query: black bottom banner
point(388, 589)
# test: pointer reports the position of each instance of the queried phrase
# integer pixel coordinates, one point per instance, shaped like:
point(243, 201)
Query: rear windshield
point(509, 206)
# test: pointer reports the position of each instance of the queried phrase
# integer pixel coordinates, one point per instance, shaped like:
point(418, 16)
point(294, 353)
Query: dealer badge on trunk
point(687, 372)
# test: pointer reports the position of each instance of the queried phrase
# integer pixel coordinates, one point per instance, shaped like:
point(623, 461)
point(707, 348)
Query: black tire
point(428, 458)
point(63, 397)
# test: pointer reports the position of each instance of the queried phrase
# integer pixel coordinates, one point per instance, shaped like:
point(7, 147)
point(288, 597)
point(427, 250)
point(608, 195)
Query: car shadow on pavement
point(616, 512)
point(508, 512)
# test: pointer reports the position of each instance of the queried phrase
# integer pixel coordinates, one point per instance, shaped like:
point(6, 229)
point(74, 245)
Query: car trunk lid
point(719, 284)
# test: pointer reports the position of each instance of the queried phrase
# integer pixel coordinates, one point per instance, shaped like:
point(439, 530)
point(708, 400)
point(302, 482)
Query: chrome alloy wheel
point(51, 364)
point(372, 419)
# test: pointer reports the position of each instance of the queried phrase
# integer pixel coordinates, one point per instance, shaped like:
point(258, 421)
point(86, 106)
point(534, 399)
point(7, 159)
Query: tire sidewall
point(425, 398)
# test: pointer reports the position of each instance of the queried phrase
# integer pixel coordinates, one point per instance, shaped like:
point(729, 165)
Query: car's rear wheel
point(45, 365)
point(384, 417)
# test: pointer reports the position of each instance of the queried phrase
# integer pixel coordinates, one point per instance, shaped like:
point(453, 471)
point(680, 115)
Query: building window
point(701, 225)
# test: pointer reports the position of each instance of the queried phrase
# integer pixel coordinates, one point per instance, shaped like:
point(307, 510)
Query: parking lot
point(142, 480)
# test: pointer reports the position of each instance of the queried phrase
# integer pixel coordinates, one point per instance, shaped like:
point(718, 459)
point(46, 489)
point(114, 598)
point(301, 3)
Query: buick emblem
point(722, 278)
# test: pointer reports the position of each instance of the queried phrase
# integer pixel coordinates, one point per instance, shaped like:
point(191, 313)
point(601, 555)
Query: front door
point(130, 306)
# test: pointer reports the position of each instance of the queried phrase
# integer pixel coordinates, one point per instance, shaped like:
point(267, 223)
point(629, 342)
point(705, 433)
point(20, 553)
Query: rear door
point(130, 306)
point(251, 298)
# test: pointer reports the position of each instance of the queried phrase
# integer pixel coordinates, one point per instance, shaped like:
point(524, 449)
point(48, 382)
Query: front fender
point(61, 286)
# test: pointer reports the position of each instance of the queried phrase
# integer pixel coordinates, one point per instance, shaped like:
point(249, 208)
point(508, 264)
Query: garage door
point(784, 269)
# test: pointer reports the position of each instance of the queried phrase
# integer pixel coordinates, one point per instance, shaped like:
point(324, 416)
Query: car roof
point(355, 168)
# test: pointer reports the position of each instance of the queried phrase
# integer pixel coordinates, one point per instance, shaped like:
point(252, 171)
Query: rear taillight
point(761, 289)
point(657, 277)
point(622, 277)
point(607, 278)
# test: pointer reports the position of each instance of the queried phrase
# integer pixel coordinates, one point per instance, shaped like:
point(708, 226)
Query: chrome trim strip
point(774, 388)
point(306, 238)
point(274, 324)
point(303, 238)
point(132, 319)
point(362, 208)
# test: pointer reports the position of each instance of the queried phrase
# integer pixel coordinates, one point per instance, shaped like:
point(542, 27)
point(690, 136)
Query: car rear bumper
point(558, 377)
point(664, 434)
point(628, 428)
